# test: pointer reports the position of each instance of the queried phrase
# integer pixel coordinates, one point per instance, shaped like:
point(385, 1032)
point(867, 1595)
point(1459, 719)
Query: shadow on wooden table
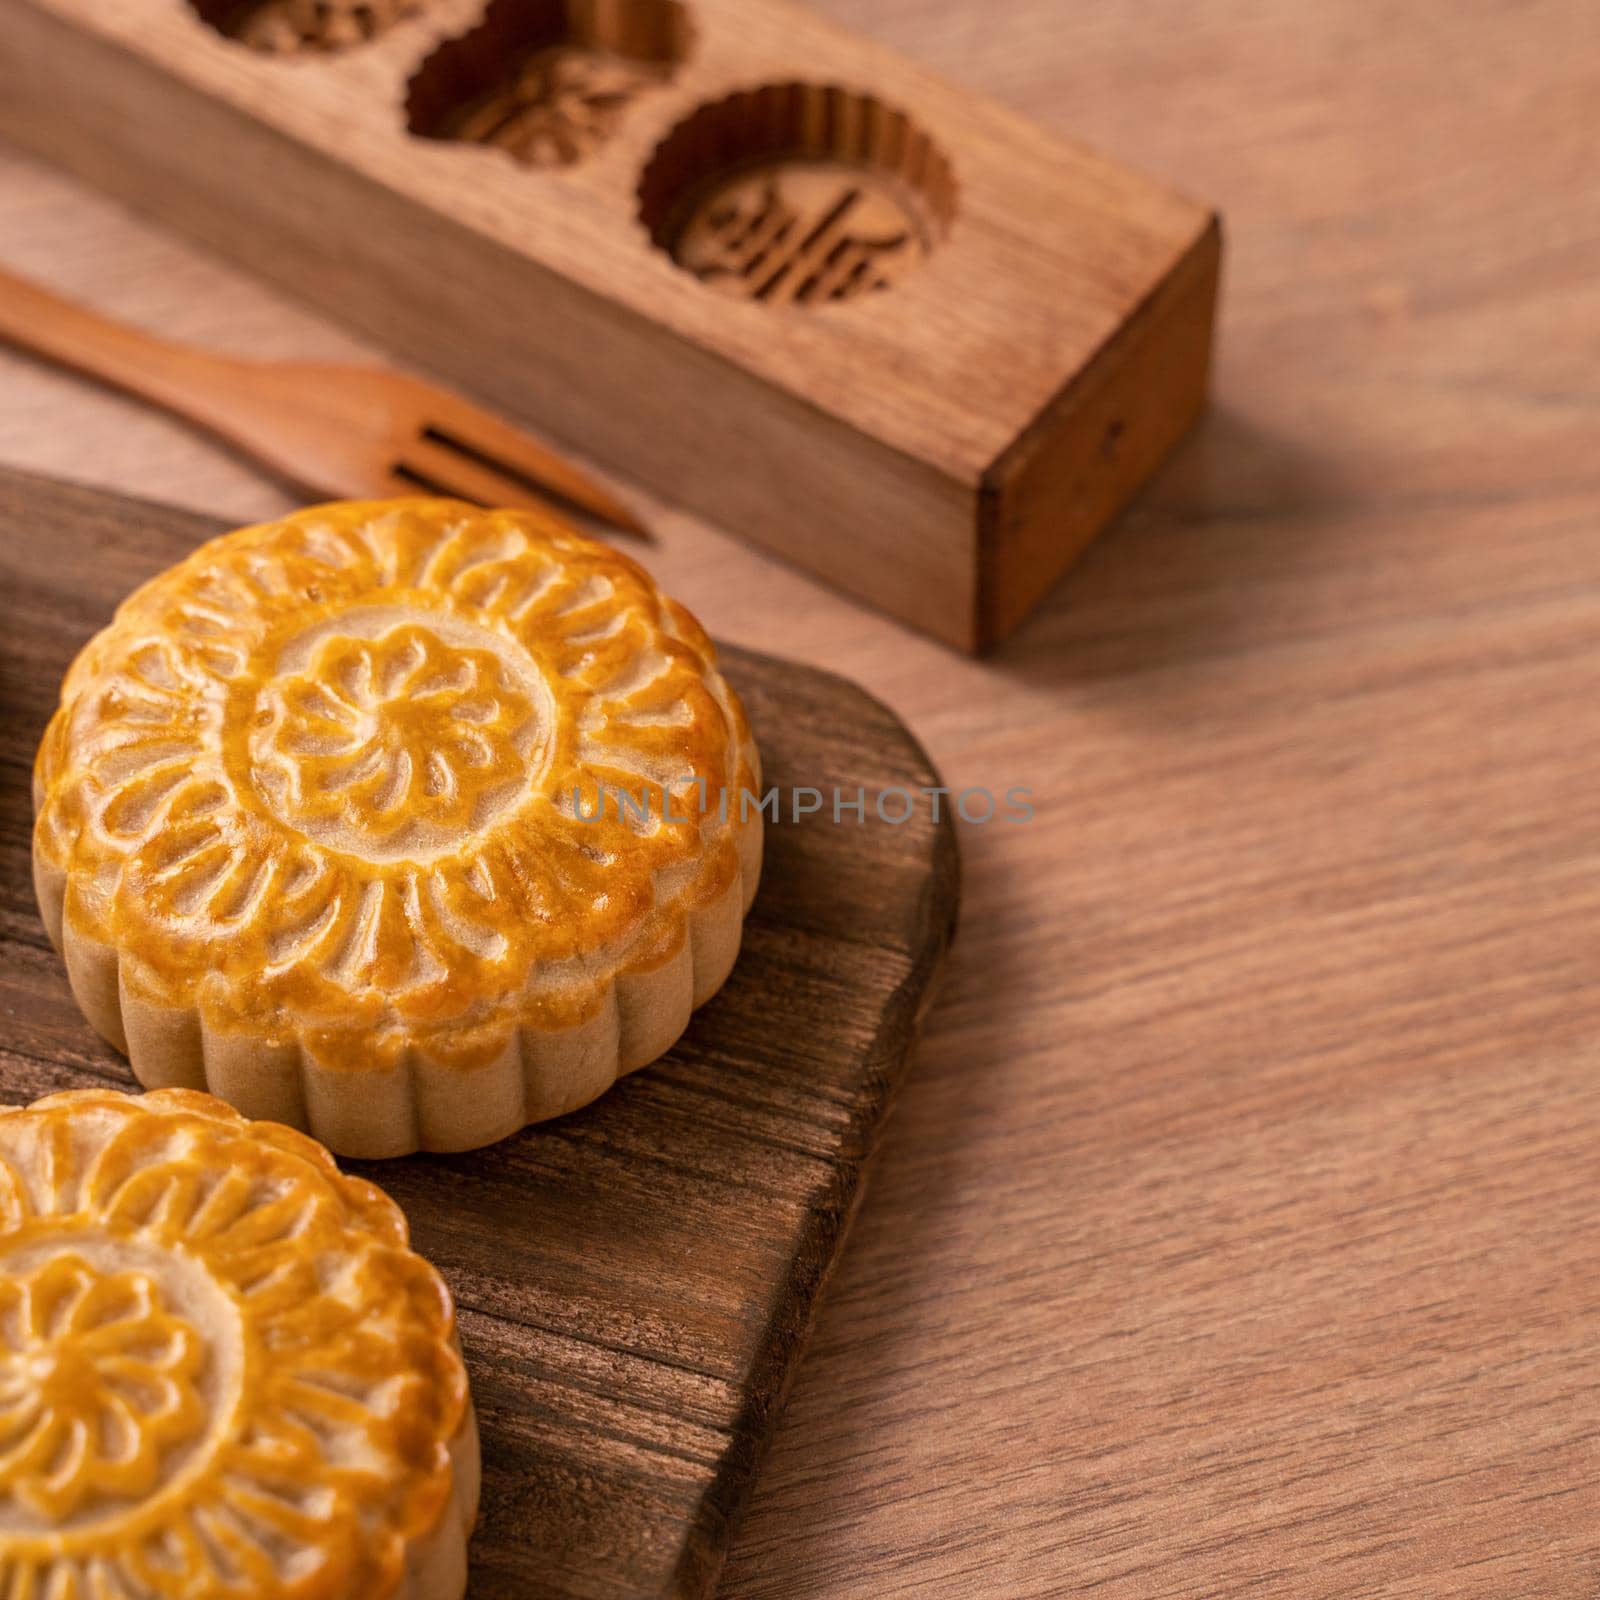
point(891, 1281)
point(1239, 511)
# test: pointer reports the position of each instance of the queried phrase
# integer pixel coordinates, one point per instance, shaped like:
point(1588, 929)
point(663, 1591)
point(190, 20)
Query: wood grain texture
point(896, 429)
point(1235, 1233)
point(635, 1281)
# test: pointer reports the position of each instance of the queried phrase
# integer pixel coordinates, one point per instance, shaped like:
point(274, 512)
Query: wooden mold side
point(1097, 444)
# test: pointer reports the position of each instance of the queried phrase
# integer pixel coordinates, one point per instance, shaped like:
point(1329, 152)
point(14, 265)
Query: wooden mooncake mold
point(402, 822)
point(222, 1371)
point(937, 348)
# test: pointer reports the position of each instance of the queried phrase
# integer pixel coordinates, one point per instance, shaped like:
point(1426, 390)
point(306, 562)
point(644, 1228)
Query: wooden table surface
point(1237, 1232)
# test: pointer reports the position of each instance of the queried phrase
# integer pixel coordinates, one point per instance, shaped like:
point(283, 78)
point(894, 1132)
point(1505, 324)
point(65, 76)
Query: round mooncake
point(401, 822)
point(222, 1372)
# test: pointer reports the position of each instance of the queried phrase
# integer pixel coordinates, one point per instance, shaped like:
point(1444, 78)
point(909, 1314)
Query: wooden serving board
point(635, 1282)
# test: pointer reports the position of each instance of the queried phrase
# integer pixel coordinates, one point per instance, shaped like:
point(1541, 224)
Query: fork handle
point(173, 376)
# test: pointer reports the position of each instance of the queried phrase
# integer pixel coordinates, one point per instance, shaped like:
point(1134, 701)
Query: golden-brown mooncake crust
point(222, 1369)
point(311, 823)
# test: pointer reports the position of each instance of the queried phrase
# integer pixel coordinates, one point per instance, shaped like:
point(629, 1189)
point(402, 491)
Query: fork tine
point(435, 467)
point(525, 461)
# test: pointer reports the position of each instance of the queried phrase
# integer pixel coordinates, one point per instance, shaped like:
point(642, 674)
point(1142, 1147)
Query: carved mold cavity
point(797, 194)
point(548, 81)
point(303, 27)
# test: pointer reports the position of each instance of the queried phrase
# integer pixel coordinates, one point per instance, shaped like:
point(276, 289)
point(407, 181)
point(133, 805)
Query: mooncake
point(222, 1371)
point(404, 823)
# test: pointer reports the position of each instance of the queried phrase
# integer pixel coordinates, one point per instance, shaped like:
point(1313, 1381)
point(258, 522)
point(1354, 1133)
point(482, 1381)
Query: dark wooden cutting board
point(636, 1281)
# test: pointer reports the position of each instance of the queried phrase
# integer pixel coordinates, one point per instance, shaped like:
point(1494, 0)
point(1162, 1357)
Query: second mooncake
point(402, 822)
point(224, 1374)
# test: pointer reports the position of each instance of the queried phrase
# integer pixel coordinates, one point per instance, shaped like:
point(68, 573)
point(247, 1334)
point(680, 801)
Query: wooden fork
point(347, 432)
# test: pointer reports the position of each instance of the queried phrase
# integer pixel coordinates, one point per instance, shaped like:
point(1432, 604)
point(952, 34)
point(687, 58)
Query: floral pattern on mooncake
point(222, 1371)
point(331, 822)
